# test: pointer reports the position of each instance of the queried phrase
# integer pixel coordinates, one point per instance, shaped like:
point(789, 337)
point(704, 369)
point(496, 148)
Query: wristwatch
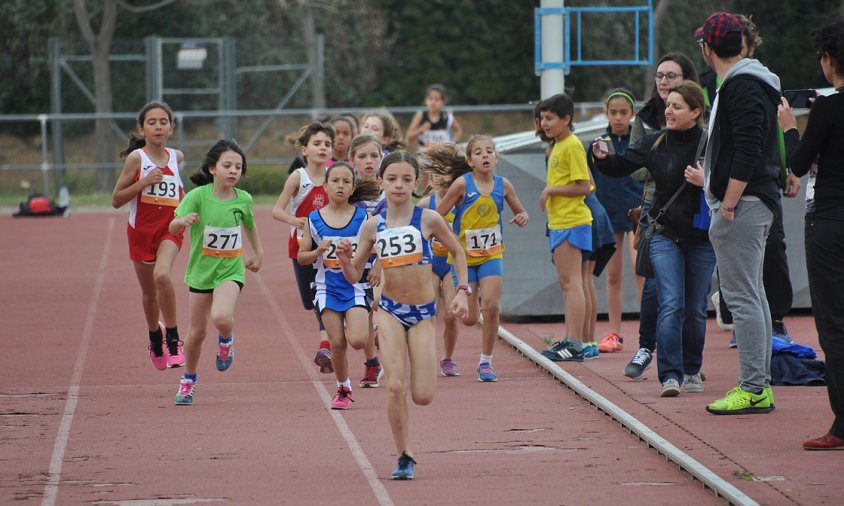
point(465, 288)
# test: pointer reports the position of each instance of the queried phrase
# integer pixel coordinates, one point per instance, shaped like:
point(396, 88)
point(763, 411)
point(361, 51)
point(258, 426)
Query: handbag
point(644, 267)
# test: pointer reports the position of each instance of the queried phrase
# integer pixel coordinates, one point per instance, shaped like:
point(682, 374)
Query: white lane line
point(720, 486)
point(51, 488)
point(344, 429)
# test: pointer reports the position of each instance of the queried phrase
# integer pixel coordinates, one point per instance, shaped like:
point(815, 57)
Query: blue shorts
point(440, 266)
point(494, 267)
point(408, 314)
point(580, 237)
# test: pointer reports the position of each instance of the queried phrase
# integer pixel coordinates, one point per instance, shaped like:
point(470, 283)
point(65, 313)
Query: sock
point(172, 334)
point(373, 361)
point(324, 345)
point(224, 340)
point(155, 338)
point(485, 359)
point(191, 377)
point(347, 384)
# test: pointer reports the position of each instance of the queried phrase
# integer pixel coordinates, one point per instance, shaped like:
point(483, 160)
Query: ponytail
point(135, 142)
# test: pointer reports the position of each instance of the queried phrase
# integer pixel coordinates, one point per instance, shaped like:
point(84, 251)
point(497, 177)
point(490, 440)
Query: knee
point(613, 277)
point(223, 320)
point(162, 278)
point(490, 307)
point(471, 319)
point(422, 398)
point(396, 388)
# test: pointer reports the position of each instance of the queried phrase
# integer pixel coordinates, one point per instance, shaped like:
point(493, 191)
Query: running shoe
point(449, 368)
point(692, 384)
point(175, 355)
point(485, 373)
point(780, 331)
point(742, 402)
point(404, 468)
point(323, 360)
point(770, 393)
point(156, 352)
point(825, 442)
point(225, 354)
point(590, 350)
point(716, 302)
point(611, 342)
point(733, 343)
point(670, 388)
point(640, 363)
point(565, 351)
point(342, 398)
point(185, 394)
point(372, 376)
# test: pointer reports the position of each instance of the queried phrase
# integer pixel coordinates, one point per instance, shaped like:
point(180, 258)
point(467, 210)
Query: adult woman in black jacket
point(682, 257)
point(821, 154)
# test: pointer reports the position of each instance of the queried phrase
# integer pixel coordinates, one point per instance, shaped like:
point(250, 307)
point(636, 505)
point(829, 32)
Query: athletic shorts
point(580, 237)
point(493, 267)
point(143, 246)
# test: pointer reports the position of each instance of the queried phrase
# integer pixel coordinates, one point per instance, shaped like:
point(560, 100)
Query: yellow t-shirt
point(566, 165)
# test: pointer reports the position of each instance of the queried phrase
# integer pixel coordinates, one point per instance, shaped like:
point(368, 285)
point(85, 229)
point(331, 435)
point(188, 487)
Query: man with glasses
point(742, 190)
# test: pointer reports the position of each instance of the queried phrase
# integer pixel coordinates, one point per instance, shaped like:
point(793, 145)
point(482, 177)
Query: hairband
point(621, 94)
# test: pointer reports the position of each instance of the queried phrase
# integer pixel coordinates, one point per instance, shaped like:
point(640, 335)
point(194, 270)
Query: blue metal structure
point(577, 13)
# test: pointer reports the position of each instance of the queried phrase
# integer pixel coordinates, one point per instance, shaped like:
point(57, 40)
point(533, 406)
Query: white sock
point(485, 359)
point(347, 384)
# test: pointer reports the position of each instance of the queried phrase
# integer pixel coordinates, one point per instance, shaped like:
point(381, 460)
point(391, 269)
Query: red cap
point(716, 32)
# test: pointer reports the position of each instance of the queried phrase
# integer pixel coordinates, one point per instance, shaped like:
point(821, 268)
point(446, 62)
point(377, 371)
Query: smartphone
point(603, 146)
point(799, 99)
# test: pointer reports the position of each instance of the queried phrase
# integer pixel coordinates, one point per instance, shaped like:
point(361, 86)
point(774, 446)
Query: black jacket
point(744, 143)
point(667, 164)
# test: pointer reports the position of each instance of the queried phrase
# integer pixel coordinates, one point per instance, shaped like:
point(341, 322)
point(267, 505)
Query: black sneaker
point(640, 363)
point(565, 351)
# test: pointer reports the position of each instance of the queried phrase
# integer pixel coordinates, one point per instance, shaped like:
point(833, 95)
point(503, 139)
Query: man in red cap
point(742, 190)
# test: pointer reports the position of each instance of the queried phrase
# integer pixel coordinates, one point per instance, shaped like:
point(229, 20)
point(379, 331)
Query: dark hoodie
point(744, 142)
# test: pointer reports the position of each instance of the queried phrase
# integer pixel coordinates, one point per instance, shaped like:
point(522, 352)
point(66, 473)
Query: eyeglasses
point(669, 76)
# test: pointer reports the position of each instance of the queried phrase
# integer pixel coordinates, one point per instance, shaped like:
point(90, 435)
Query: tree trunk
point(317, 81)
point(100, 45)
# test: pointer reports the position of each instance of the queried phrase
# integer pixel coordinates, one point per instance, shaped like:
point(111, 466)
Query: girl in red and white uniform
point(152, 186)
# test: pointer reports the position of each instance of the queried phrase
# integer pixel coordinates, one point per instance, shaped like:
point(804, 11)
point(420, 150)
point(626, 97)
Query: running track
point(87, 420)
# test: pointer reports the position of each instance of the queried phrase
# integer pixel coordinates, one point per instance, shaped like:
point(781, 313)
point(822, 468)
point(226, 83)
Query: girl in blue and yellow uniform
point(478, 200)
point(343, 306)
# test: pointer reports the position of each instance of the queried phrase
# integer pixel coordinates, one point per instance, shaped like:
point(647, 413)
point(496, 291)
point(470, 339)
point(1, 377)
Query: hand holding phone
point(800, 99)
point(603, 146)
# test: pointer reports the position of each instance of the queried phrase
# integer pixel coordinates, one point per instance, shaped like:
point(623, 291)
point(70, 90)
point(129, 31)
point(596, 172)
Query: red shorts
point(143, 245)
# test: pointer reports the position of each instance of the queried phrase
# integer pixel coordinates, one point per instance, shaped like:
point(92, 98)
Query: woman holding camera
point(682, 257)
point(820, 153)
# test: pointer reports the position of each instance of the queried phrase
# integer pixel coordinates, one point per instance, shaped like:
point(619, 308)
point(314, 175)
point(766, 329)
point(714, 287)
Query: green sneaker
point(742, 402)
point(770, 392)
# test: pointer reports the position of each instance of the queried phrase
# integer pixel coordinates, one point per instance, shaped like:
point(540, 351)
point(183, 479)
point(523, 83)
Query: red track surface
point(78, 391)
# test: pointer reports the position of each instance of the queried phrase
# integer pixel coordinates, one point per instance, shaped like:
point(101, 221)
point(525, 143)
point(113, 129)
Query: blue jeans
point(683, 274)
point(648, 305)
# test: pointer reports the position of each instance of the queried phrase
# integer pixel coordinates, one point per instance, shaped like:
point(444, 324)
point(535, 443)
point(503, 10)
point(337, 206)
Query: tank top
point(329, 274)
point(399, 246)
point(439, 133)
point(152, 209)
point(477, 221)
point(308, 198)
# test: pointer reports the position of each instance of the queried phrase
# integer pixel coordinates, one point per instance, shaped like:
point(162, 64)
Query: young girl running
point(152, 186)
point(477, 198)
point(618, 196)
point(219, 215)
point(400, 235)
point(441, 269)
point(433, 125)
point(384, 127)
point(366, 156)
point(344, 131)
point(342, 305)
point(569, 219)
point(303, 192)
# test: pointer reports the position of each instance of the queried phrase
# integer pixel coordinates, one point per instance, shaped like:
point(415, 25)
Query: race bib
point(399, 246)
point(438, 249)
point(222, 242)
point(484, 242)
point(432, 137)
point(329, 258)
point(163, 193)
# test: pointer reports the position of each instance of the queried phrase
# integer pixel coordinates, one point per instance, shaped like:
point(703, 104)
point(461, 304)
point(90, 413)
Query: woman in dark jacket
point(682, 257)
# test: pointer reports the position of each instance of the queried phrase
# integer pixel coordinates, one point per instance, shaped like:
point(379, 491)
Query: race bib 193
point(222, 242)
point(163, 193)
point(484, 242)
point(399, 246)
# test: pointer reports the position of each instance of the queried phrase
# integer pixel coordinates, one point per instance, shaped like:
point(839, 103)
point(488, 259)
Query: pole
point(552, 80)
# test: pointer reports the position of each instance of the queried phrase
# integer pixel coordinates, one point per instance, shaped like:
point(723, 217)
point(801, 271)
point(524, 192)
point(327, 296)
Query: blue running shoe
point(590, 350)
point(404, 468)
point(485, 373)
point(733, 343)
point(565, 351)
point(225, 354)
